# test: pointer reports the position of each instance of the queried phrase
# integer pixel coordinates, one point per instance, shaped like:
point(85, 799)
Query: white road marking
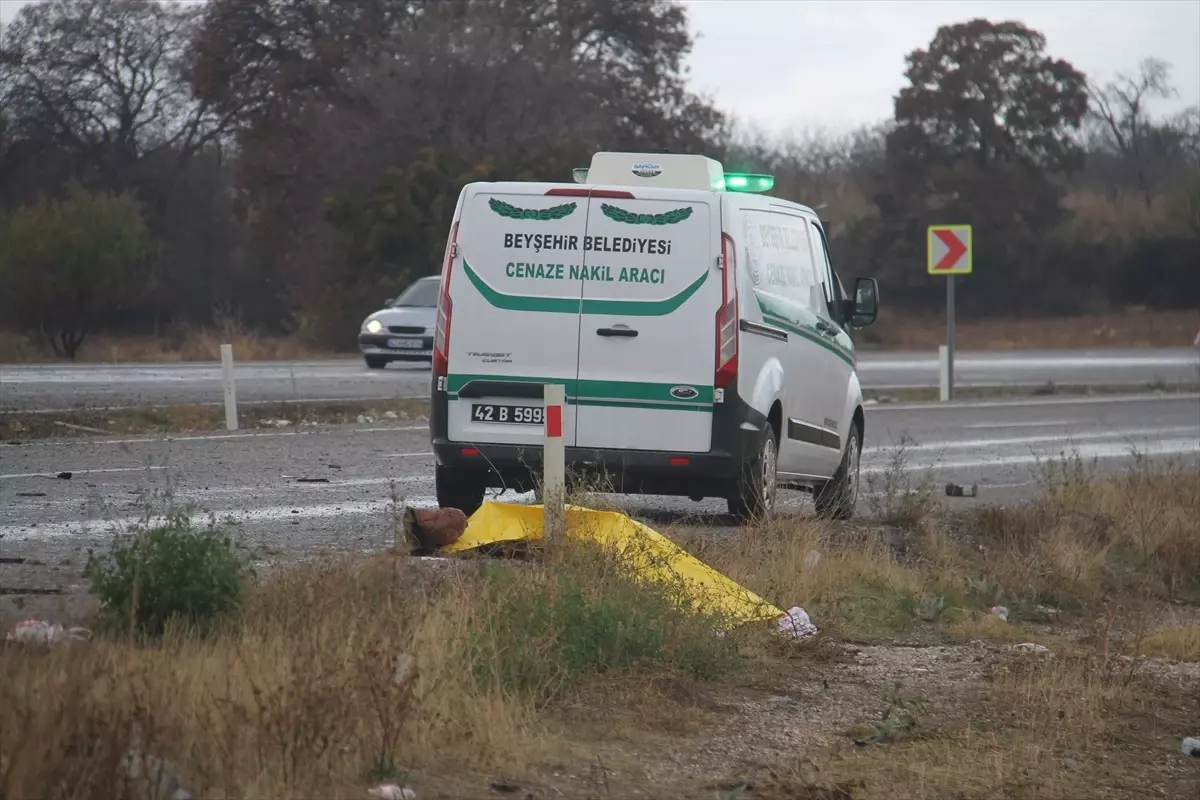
point(216, 437)
point(276, 513)
point(78, 472)
point(1035, 402)
point(1100, 451)
point(291, 484)
point(1067, 439)
point(1002, 425)
point(153, 406)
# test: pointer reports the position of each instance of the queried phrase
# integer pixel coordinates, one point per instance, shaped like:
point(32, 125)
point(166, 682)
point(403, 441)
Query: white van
point(698, 328)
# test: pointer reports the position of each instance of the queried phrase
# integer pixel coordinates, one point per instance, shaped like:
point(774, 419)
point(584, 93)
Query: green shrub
point(170, 572)
point(585, 614)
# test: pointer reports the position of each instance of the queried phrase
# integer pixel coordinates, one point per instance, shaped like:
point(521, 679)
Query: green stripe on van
point(629, 404)
point(787, 315)
point(569, 305)
point(625, 394)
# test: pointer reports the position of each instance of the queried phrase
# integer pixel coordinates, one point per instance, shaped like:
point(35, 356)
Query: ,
point(403, 329)
point(700, 332)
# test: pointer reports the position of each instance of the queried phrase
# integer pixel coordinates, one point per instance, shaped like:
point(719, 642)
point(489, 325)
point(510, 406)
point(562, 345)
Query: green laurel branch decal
point(630, 218)
point(541, 215)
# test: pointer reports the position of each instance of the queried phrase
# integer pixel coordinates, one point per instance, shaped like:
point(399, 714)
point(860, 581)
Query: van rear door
point(651, 293)
point(515, 311)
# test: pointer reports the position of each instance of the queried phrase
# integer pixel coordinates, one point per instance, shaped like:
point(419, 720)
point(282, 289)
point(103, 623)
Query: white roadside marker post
point(554, 468)
point(944, 371)
point(231, 416)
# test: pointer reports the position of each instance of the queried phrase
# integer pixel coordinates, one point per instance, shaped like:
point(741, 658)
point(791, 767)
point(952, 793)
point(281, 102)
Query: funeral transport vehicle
point(697, 326)
point(403, 329)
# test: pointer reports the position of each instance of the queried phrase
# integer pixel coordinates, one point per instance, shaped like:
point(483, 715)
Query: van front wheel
point(754, 494)
point(457, 490)
point(836, 499)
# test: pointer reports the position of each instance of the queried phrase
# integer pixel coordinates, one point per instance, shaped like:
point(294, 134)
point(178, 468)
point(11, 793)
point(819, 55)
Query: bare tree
point(105, 80)
point(1120, 110)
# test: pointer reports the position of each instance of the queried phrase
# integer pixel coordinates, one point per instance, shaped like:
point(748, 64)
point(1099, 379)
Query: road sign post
point(948, 253)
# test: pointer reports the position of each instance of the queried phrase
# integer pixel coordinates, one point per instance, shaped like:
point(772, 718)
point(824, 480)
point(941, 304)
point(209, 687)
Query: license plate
point(512, 415)
point(405, 344)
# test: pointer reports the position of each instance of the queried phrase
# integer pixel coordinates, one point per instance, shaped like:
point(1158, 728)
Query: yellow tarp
point(656, 557)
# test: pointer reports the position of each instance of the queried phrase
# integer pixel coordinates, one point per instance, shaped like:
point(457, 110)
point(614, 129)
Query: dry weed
point(339, 673)
point(183, 344)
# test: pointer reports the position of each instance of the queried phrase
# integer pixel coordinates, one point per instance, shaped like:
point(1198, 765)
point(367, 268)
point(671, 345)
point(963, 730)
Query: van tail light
point(445, 308)
point(614, 194)
point(727, 317)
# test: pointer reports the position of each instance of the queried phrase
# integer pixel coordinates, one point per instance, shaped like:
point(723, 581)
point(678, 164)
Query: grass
point(196, 418)
point(561, 676)
point(895, 330)
point(185, 344)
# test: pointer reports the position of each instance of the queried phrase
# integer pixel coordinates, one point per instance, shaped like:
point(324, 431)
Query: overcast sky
point(817, 63)
point(821, 64)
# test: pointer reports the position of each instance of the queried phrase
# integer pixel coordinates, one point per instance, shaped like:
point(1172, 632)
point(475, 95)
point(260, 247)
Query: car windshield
point(422, 294)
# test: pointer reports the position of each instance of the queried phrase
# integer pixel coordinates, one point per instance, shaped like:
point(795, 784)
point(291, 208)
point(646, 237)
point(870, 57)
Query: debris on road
point(507, 787)
point(155, 776)
point(83, 428)
point(11, 560)
point(1191, 746)
point(312, 480)
point(31, 494)
point(391, 791)
point(64, 476)
point(954, 490)
point(796, 623)
point(36, 631)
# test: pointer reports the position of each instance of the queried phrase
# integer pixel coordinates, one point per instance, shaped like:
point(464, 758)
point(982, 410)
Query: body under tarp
point(654, 556)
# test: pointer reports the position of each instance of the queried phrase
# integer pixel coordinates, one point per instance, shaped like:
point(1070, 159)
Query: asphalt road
point(263, 479)
point(32, 387)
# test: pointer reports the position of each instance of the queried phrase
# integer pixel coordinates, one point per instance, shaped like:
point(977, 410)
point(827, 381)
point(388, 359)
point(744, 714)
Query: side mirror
point(865, 305)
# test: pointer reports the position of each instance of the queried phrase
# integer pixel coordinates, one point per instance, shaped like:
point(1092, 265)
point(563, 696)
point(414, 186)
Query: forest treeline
point(290, 163)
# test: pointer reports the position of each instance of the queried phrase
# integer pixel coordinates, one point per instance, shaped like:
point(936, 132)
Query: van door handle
point(617, 330)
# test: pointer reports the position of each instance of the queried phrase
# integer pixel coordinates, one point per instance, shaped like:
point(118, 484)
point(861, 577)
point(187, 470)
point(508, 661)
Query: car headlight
point(373, 326)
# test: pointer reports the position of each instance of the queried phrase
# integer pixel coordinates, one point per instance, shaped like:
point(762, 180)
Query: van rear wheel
point(753, 496)
point(456, 489)
point(837, 498)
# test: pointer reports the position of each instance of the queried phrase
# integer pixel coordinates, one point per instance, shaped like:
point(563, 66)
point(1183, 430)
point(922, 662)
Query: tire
point(753, 497)
point(837, 498)
point(376, 362)
point(457, 490)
